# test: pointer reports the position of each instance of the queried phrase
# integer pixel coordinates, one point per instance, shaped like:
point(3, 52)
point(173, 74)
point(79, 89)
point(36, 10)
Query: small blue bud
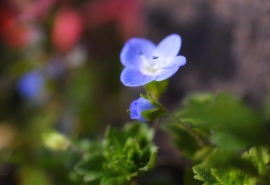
point(138, 106)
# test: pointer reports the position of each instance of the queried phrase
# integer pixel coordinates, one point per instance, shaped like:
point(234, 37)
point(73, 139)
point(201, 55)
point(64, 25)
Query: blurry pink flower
point(67, 29)
point(12, 32)
point(125, 13)
point(32, 10)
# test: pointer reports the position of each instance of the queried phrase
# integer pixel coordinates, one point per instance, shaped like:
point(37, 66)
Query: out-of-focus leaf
point(185, 142)
point(55, 141)
point(226, 117)
point(227, 159)
point(32, 175)
point(152, 114)
point(156, 89)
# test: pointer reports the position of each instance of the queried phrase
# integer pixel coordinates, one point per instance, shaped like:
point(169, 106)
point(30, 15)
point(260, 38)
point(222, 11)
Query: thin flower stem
point(190, 130)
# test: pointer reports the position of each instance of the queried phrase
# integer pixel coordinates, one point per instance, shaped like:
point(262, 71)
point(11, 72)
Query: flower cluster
point(145, 62)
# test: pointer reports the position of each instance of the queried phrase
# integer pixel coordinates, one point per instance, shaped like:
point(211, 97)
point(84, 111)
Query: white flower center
point(150, 66)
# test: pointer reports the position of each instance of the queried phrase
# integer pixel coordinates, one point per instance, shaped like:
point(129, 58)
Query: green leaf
point(228, 159)
point(259, 157)
point(154, 102)
point(228, 176)
point(152, 114)
point(231, 168)
point(227, 141)
point(121, 155)
point(151, 162)
point(203, 173)
point(156, 89)
point(226, 117)
point(183, 140)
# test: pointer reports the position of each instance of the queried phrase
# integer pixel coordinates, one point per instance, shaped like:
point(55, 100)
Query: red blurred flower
point(126, 13)
point(13, 33)
point(32, 10)
point(67, 29)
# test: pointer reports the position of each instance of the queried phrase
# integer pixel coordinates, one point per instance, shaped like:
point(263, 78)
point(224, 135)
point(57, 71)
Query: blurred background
point(60, 69)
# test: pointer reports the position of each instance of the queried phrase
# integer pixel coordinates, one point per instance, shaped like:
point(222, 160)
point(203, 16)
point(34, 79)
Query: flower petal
point(167, 72)
point(168, 48)
point(178, 60)
point(142, 105)
point(133, 77)
point(133, 110)
point(133, 48)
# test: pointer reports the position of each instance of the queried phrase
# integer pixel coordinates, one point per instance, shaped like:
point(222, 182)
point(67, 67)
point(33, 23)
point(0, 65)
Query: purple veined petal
point(132, 77)
point(142, 105)
point(167, 72)
point(133, 110)
point(130, 55)
point(168, 48)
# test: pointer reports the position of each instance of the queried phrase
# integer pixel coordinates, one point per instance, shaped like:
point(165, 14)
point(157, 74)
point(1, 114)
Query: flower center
point(150, 66)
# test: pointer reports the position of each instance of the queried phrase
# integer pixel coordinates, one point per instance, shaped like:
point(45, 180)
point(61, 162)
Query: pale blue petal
point(133, 48)
point(167, 72)
point(133, 110)
point(168, 48)
point(142, 105)
point(132, 77)
point(178, 60)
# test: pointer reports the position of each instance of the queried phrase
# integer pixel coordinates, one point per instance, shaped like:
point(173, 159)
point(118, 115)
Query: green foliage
point(156, 89)
point(233, 126)
point(204, 174)
point(230, 168)
point(183, 140)
point(158, 112)
point(121, 156)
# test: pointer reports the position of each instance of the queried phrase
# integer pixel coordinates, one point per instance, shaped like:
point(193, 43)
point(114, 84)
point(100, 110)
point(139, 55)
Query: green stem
point(190, 130)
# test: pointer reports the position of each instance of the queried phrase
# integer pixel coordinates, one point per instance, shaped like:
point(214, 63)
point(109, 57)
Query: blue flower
point(138, 106)
point(145, 62)
point(30, 84)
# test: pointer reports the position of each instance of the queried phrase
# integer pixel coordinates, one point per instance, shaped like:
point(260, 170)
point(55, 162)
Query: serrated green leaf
point(225, 116)
point(259, 157)
point(151, 162)
point(227, 159)
point(185, 142)
point(228, 176)
point(123, 154)
point(231, 168)
point(204, 174)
